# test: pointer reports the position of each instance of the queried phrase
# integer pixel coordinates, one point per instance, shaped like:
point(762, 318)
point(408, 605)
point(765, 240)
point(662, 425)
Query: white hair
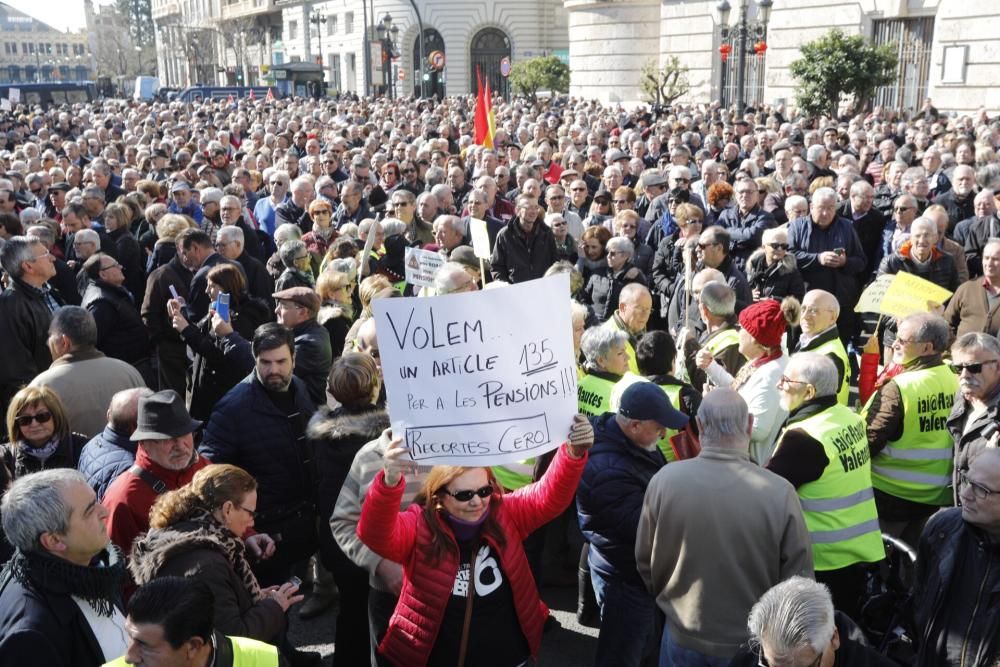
point(816, 369)
point(794, 614)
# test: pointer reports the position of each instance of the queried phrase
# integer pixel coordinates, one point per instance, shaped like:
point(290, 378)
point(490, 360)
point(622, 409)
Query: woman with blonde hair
point(336, 313)
point(196, 531)
point(39, 433)
point(460, 523)
point(168, 228)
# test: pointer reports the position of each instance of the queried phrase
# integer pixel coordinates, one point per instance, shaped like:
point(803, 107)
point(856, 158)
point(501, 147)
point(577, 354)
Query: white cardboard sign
point(480, 378)
point(480, 238)
point(421, 265)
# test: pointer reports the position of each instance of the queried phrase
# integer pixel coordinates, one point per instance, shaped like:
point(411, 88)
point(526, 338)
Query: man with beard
point(164, 460)
point(959, 200)
point(260, 426)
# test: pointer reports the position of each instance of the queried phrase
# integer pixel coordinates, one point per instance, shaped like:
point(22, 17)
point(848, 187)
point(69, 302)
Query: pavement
point(569, 644)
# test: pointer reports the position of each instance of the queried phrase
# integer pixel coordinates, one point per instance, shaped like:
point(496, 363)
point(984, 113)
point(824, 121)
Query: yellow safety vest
point(246, 653)
point(594, 395)
point(839, 507)
point(720, 341)
point(836, 348)
point(673, 392)
point(918, 466)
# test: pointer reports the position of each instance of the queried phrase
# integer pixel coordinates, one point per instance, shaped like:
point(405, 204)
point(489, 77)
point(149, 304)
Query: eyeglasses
point(784, 379)
point(397, 204)
point(681, 180)
point(903, 341)
point(980, 491)
point(702, 246)
point(466, 495)
point(409, 171)
point(41, 418)
point(231, 209)
point(902, 209)
point(322, 211)
point(778, 246)
point(252, 513)
point(975, 369)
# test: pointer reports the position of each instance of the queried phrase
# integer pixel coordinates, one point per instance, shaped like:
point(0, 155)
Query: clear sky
point(61, 14)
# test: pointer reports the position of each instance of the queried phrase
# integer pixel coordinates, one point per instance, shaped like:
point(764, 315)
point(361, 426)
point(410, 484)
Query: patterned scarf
point(748, 368)
point(41, 453)
point(235, 550)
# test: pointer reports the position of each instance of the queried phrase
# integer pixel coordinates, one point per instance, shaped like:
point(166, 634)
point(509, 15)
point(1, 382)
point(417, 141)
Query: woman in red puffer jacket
point(462, 522)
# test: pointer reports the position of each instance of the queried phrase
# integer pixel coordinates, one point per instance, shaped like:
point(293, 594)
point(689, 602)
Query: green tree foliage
point(140, 20)
point(836, 65)
point(542, 73)
point(663, 86)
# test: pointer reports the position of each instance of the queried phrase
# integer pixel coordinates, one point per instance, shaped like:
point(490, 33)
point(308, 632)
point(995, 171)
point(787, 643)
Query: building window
point(331, 24)
point(349, 23)
point(6, 47)
point(335, 71)
point(293, 29)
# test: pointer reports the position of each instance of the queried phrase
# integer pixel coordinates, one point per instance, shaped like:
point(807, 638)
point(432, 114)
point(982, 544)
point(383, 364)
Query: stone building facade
point(948, 48)
point(242, 35)
point(34, 51)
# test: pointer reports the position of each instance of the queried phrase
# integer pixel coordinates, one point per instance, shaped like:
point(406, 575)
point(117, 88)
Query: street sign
point(505, 66)
point(401, 75)
point(436, 59)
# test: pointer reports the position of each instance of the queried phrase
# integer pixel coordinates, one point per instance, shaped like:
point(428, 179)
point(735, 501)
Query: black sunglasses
point(41, 418)
point(778, 246)
point(466, 495)
point(975, 369)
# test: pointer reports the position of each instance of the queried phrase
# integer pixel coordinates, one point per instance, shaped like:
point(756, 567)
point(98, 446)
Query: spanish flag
point(484, 120)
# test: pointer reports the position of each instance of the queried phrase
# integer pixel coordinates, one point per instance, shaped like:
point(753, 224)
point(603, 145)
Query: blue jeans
point(628, 622)
point(673, 654)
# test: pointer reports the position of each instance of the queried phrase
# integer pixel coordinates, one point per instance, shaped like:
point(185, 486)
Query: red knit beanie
point(765, 322)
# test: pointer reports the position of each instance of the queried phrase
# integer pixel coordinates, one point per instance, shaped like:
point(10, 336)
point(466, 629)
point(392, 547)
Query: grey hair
point(35, 504)
point(75, 323)
point(231, 233)
point(795, 200)
point(287, 232)
point(16, 251)
point(447, 276)
point(288, 251)
point(454, 222)
point(30, 215)
point(818, 370)
point(621, 244)
point(43, 233)
point(302, 183)
point(862, 187)
point(977, 340)
point(825, 193)
point(366, 225)
point(393, 226)
point(88, 236)
point(598, 342)
point(922, 220)
point(723, 418)
point(929, 328)
point(93, 192)
point(814, 152)
point(794, 614)
point(718, 298)
point(344, 265)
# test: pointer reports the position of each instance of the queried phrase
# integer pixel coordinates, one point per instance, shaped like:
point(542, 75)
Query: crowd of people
point(197, 439)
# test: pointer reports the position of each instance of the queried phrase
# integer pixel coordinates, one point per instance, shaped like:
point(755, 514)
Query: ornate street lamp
point(744, 30)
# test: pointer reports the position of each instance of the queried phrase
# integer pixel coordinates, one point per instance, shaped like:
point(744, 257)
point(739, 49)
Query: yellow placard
point(909, 294)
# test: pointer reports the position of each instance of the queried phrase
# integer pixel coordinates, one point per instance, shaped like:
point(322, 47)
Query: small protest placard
point(900, 295)
point(910, 294)
point(480, 378)
point(480, 238)
point(14, 95)
point(421, 265)
point(871, 298)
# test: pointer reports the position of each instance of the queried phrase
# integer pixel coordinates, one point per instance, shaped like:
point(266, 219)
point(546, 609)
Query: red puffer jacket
point(402, 536)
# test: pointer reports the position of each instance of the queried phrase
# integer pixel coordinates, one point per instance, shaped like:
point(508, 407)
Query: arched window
point(435, 81)
point(488, 48)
